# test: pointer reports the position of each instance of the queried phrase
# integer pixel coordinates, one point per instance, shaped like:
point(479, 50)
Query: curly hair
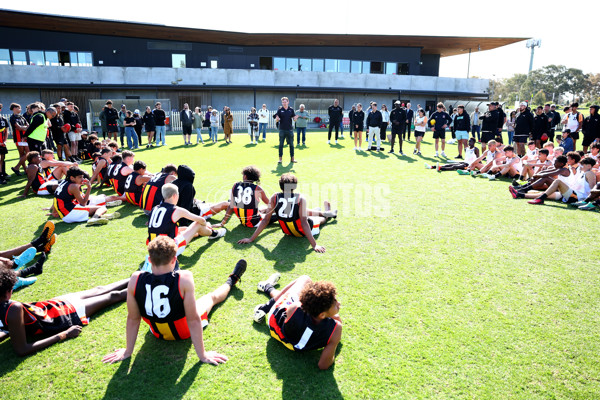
point(162, 250)
point(252, 173)
point(317, 297)
point(288, 181)
point(8, 278)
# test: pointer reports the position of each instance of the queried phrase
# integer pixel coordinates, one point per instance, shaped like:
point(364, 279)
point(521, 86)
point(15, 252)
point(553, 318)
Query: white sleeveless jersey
point(470, 155)
point(581, 186)
point(532, 154)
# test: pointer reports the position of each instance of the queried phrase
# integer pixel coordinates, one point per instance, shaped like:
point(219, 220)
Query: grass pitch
point(449, 287)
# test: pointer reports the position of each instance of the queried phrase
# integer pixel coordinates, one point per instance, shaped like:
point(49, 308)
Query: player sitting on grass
point(73, 206)
point(135, 182)
point(165, 217)
point(187, 196)
point(303, 316)
point(36, 177)
point(121, 171)
point(509, 166)
point(592, 201)
point(532, 167)
point(152, 195)
point(244, 198)
point(100, 166)
point(293, 215)
point(543, 179)
point(477, 167)
point(54, 170)
point(165, 299)
point(52, 321)
point(471, 154)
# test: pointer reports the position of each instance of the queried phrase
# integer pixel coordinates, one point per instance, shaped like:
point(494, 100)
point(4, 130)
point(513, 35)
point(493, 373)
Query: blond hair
point(169, 190)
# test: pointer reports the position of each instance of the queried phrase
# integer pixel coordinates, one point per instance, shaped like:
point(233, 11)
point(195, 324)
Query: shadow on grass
point(147, 378)
point(281, 169)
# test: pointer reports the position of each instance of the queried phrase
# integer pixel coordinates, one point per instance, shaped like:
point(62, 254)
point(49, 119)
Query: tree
point(539, 98)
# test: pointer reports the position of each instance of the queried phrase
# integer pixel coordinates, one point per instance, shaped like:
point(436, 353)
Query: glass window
point(366, 67)
point(305, 64)
point(51, 58)
point(377, 67)
point(391, 68)
point(291, 64)
point(214, 64)
point(85, 59)
point(403, 69)
point(73, 59)
point(278, 64)
point(318, 65)
point(330, 65)
point(178, 60)
point(36, 58)
point(343, 65)
point(356, 67)
point(19, 58)
point(4, 56)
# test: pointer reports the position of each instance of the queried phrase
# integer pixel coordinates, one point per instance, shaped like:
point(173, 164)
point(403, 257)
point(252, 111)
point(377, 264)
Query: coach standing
point(489, 125)
point(398, 118)
point(38, 128)
point(409, 120)
point(374, 120)
point(285, 115)
point(523, 127)
point(335, 113)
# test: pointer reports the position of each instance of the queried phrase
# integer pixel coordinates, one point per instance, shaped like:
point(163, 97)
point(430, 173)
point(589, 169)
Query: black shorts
point(588, 139)
point(112, 128)
point(35, 145)
point(187, 129)
point(360, 128)
point(59, 138)
point(419, 134)
point(486, 136)
point(3, 151)
point(439, 134)
point(521, 138)
point(574, 135)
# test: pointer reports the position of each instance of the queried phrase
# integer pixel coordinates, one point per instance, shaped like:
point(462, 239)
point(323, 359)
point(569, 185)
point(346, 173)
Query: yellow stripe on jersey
point(242, 215)
point(152, 236)
point(165, 331)
point(292, 229)
point(288, 345)
point(57, 208)
point(145, 195)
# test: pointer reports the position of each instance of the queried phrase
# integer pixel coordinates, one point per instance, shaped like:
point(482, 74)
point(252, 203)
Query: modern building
point(46, 57)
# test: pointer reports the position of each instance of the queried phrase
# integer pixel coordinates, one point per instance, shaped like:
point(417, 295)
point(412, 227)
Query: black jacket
point(185, 119)
point(441, 119)
point(374, 119)
point(490, 121)
point(335, 114)
point(410, 115)
point(187, 193)
point(159, 117)
point(540, 125)
point(111, 116)
point(462, 122)
point(591, 125)
point(149, 123)
point(524, 123)
point(358, 118)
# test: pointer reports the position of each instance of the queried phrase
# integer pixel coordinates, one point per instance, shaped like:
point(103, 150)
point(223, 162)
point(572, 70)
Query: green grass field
point(449, 287)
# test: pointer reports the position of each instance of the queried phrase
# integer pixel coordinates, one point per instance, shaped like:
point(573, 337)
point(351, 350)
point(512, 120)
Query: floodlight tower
point(532, 43)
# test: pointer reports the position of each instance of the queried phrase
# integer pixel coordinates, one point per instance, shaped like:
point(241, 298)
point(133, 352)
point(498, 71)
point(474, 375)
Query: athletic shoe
point(437, 167)
point(114, 215)
point(328, 142)
point(427, 166)
point(49, 244)
point(41, 241)
point(3, 181)
point(459, 157)
point(22, 282)
point(418, 153)
point(114, 203)
point(16, 171)
point(588, 207)
point(444, 155)
point(220, 234)
point(474, 173)
point(463, 172)
point(513, 192)
point(341, 137)
point(148, 146)
point(238, 271)
point(330, 214)
point(415, 151)
point(401, 153)
point(97, 221)
point(260, 313)
point(515, 183)
point(436, 154)
point(271, 280)
point(491, 177)
point(578, 204)
point(356, 148)
point(24, 258)
point(536, 201)
point(336, 142)
point(486, 175)
point(391, 151)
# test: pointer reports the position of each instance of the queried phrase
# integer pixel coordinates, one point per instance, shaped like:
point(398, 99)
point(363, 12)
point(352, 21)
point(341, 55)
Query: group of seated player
point(541, 174)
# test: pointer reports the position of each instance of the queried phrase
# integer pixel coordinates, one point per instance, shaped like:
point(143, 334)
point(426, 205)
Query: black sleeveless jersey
point(244, 204)
point(161, 222)
point(287, 211)
point(120, 178)
point(152, 195)
point(133, 191)
point(39, 179)
point(64, 202)
point(161, 305)
point(299, 332)
point(44, 317)
point(103, 172)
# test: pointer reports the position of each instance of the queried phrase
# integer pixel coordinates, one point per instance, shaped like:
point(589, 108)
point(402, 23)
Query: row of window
point(329, 65)
point(39, 57)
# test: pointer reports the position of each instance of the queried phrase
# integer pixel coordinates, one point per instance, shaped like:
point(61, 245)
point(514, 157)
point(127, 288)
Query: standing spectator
point(591, 128)
point(523, 128)
point(214, 125)
point(129, 124)
point(19, 125)
point(253, 125)
point(103, 125)
point(374, 120)
point(71, 117)
point(462, 123)
point(4, 126)
point(489, 125)
point(540, 126)
point(452, 128)
point(350, 116)
point(263, 121)
point(358, 122)
point(223, 120)
point(574, 123)
point(554, 123)
point(56, 127)
point(442, 121)
point(198, 124)
point(420, 128)
point(159, 121)
point(227, 118)
point(510, 127)
point(37, 131)
point(301, 124)
point(121, 122)
point(385, 121)
point(398, 120)
point(501, 122)
point(138, 125)
point(206, 122)
point(187, 120)
point(112, 117)
point(476, 124)
point(335, 113)
point(149, 125)
point(410, 115)
point(285, 115)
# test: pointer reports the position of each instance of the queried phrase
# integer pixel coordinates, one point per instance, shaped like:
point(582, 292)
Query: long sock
point(269, 288)
point(35, 269)
point(214, 233)
point(543, 196)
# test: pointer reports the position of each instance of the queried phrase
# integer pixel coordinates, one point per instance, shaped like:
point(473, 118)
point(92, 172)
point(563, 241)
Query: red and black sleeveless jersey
point(244, 204)
point(161, 222)
point(113, 169)
point(48, 173)
point(287, 211)
point(161, 305)
point(103, 171)
point(152, 195)
point(39, 179)
point(44, 317)
point(300, 333)
point(120, 178)
point(64, 202)
point(133, 191)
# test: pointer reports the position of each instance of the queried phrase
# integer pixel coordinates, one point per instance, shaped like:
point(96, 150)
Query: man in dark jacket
point(409, 119)
point(462, 124)
point(112, 116)
point(398, 121)
point(540, 126)
point(187, 196)
point(523, 127)
point(555, 121)
point(591, 128)
point(335, 113)
point(374, 120)
point(187, 120)
point(489, 125)
point(442, 121)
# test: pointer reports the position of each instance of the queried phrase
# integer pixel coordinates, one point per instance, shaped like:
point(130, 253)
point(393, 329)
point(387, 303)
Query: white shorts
point(205, 211)
point(74, 136)
point(43, 190)
point(181, 244)
point(22, 144)
point(566, 195)
point(82, 213)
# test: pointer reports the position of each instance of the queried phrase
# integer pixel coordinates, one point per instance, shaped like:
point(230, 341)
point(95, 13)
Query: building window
point(51, 58)
point(265, 63)
point(291, 64)
point(356, 67)
point(178, 60)
point(391, 68)
point(343, 65)
point(19, 58)
point(85, 59)
point(330, 65)
point(278, 64)
point(376, 67)
point(403, 68)
point(366, 67)
point(214, 64)
point(36, 58)
point(305, 64)
point(4, 57)
point(318, 65)
point(73, 59)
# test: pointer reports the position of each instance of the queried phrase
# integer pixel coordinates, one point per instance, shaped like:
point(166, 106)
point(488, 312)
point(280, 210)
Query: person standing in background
point(410, 115)
point(198, 124)
point(214, 125)
point(227, 119)
point(398, 120)
point(301, 124)
point(253, 125)
point(187, 119)
point(129, 123)
point(159, 120)
point(206, 122)
point(358, 123)
point(102, 119)
point(350, 116)
point(138, 125)
point(335, 113)
point(476, 124)
point(19, 125)
point(554, 123)
point(263, 121)
point(284, 116)
point(374, 120)
point(385, 120)
point(121, 122)
point(112, 117)
point(510, 127)
point(149, 125)
point(442, 120)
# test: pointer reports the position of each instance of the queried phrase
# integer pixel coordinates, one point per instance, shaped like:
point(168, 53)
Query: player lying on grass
point(293, 215)
point(49, 322)
point(244, 199)
point(71, 205)
point(471, 154)
point(303, 316)
point(164, 221)
point(165, 299)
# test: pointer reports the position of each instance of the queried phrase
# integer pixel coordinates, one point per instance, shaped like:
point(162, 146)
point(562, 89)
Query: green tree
point(539, 98)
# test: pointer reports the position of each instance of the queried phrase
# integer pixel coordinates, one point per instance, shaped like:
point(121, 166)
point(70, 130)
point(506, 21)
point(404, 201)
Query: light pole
point(532, 44)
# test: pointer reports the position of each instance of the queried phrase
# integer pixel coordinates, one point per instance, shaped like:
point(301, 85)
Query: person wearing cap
point(138, 125)
point(187, 120)
point(489, 124)
point(523, 128)
point(398, 120)
point(159, 120)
